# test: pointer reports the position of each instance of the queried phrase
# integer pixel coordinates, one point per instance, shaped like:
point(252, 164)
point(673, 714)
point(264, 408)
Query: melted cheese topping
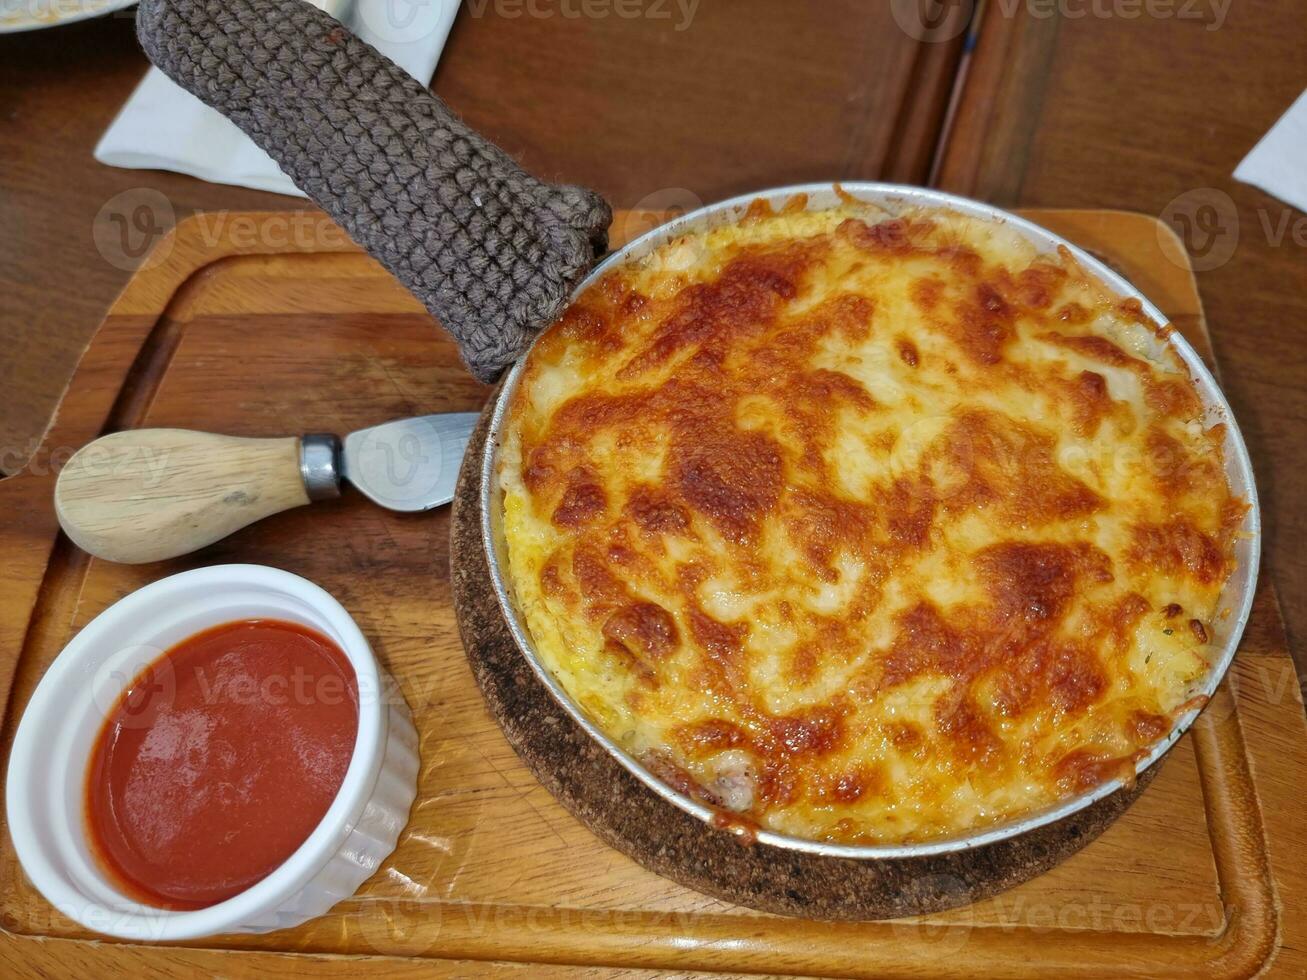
point(867, 529)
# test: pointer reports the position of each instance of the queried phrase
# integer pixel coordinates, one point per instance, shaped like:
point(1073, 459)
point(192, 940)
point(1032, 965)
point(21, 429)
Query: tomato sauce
point(219, 760)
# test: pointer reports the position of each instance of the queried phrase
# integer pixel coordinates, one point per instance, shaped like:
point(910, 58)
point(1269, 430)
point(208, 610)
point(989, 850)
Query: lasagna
point(867, 528)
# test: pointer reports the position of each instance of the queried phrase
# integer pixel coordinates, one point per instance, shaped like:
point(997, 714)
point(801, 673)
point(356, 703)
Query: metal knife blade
point(409, 464)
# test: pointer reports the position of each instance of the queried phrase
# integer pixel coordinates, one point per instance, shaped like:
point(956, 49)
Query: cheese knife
point(148, 494)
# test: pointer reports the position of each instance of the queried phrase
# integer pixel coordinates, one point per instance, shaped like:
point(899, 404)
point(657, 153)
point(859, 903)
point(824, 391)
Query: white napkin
point(163, 127)
point(1278, 163)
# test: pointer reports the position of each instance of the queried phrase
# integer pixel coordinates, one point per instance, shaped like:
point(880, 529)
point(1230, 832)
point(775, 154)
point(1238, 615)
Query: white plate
point(33, 15)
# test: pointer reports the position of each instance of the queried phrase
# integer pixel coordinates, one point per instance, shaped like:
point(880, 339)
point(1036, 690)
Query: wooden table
point(1149, 113)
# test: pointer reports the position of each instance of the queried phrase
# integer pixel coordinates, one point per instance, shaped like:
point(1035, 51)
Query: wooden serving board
point(274, 324)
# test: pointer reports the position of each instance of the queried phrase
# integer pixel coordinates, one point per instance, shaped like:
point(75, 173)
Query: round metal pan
point(1236, 598)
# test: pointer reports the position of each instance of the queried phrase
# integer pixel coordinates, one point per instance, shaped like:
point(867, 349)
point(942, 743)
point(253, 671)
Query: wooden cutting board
point(273, 324)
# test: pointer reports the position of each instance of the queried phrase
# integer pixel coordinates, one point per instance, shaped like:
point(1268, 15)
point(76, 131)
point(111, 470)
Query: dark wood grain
point(1153, 114)
point(751, 94)
point(59, 89)
point(650, 110)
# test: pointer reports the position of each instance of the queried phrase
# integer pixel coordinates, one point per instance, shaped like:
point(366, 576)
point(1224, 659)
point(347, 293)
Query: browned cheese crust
point(866, 528)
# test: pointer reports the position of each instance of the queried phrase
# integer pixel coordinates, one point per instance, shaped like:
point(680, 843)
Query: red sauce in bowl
point(219, 760)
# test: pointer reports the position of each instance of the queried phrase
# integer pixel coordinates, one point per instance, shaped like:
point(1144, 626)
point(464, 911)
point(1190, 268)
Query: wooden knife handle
point(149, 494)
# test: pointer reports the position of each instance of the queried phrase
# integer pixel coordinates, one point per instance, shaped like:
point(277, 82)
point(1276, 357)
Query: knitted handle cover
point(492, 252)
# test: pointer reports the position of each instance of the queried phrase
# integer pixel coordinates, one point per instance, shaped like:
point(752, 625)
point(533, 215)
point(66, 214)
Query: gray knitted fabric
point(492, 252)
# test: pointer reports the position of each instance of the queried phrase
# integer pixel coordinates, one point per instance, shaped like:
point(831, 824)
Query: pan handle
point(491, 251)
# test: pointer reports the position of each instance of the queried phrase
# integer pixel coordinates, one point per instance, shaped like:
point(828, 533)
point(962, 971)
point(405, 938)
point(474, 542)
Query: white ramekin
point(45, 790)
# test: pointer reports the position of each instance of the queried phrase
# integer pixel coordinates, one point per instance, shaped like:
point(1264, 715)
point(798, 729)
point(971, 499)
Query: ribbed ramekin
point(45, 788)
